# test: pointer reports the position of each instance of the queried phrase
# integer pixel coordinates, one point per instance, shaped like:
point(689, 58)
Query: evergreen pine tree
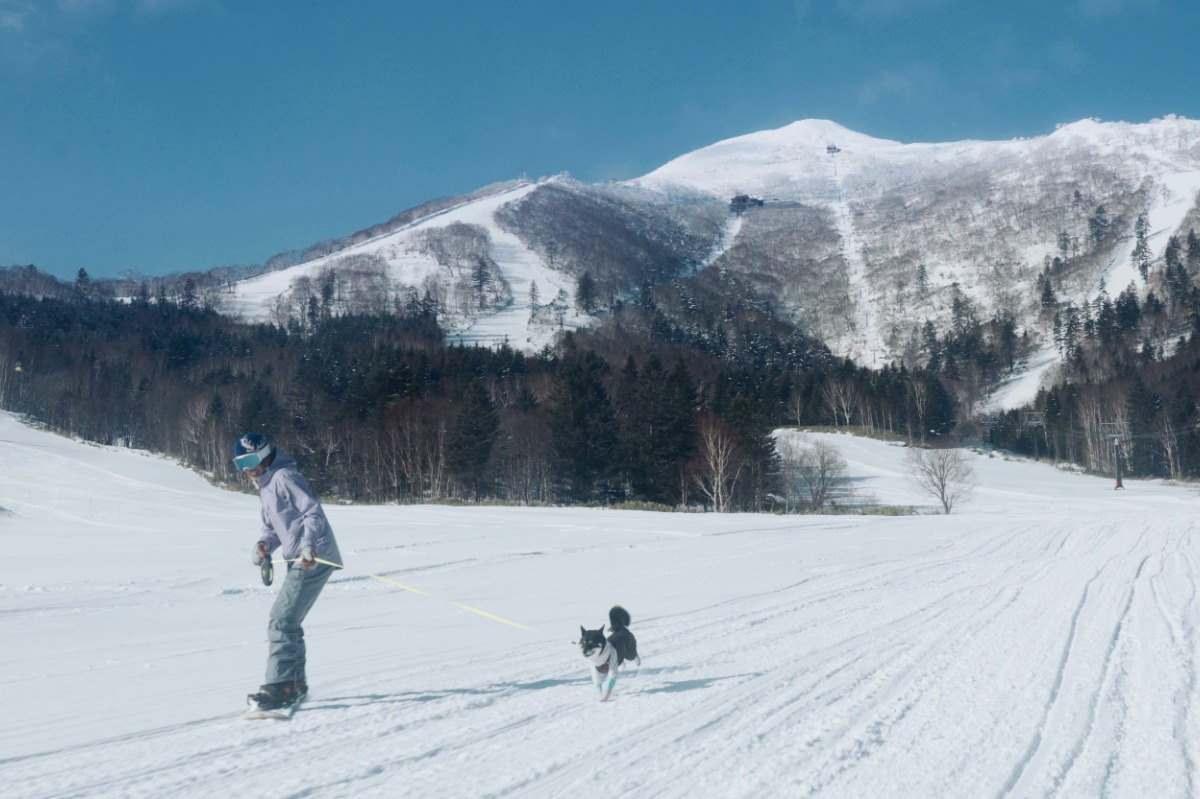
point(481, 279)
point(682, 435)
point(939, 417)
point(188, 300)
point(1064, 244)
point(581, 422)
point(83, 286)
point(1182, 417)
point(1098, 225)
point(1140, 408)
point(668, 425)
point(749, 406)
point(1049, 299)
point(472, 436)
point(1173, 254)
point(933, 349)
point(261, 411)
point(585, 293)
point(1141, 249)
point(630, 431)
point(1128, 309)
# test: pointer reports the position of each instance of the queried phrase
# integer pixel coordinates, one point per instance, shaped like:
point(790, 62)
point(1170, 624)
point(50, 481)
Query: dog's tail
point(618, 618)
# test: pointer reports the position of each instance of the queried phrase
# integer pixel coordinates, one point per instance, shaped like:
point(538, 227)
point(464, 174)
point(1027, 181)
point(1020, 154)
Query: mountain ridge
point(858, 240)
point(984, 219)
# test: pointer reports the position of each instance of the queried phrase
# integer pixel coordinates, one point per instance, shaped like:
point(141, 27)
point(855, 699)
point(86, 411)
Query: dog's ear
point(582, 632)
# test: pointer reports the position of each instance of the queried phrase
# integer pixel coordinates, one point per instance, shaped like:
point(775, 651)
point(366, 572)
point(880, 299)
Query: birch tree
point(720, 464)
point(944, 474)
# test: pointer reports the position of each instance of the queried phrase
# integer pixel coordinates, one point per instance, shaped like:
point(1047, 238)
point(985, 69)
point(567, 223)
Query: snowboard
point(279, 714)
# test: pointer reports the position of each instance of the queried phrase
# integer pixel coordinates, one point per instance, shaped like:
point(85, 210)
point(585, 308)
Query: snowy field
point(1041, 641)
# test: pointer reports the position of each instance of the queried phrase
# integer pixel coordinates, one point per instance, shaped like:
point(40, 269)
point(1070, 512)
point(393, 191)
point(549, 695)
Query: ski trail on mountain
point(729, 234)
point(519, 267)
point(861, 334)
point(1169, 206)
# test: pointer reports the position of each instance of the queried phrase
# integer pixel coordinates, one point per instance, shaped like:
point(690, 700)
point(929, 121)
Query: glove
point(308, 559)
point(259, 554)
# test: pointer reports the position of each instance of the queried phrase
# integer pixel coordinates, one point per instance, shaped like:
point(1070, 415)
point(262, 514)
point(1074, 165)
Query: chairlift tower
point(1114, 432)
point(991, 425)
point(1034, 419)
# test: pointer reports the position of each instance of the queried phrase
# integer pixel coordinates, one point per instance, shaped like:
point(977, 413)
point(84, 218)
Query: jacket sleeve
point(268, 535)
point(308, 509)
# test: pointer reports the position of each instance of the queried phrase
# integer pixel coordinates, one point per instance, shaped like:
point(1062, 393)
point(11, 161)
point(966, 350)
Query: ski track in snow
point(1040, 641)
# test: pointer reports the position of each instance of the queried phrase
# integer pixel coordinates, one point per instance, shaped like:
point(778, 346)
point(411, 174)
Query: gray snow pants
point(300, 590)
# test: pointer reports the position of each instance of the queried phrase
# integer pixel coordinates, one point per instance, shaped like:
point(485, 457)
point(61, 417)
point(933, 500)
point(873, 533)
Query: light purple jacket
point(292, 516)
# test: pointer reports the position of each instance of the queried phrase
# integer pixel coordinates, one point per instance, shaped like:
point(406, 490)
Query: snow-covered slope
point(796, 162)
point(409, 265)
point(982, 216)
point(1041, 641)
point(789, 162)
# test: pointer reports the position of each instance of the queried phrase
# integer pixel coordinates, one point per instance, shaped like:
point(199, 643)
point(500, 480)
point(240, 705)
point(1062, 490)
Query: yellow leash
point(392, 582)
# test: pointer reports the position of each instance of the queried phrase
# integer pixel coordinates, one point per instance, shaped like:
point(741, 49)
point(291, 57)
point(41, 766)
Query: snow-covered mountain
point(857, 239)
point(864, 238)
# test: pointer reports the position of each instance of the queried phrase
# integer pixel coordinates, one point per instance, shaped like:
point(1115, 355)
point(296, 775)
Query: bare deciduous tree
point(919, 394)
point(840, 396)
point(944, 474)
point(795, 406)
point(1168, 439)
point(9, 371)
point(812, 471)
point(720, 463)
point(418, 438)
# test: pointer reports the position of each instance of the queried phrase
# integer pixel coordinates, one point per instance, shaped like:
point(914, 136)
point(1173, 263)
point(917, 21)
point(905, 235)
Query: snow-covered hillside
point(786, 163)
point(796, 162)
point(1041, 641)
point(408, 264)
point(859, 240)
point(984, 217)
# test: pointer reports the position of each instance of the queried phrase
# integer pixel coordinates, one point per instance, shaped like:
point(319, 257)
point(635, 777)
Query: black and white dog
point(607, 654)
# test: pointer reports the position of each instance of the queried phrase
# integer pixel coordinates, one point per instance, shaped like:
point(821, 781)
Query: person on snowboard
point(292, 518)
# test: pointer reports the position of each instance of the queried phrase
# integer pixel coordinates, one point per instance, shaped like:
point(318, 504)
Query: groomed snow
point(1021, 389)
point(1040, 641)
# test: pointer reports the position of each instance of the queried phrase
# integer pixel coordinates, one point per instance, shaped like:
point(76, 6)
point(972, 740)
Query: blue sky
point(159, 136)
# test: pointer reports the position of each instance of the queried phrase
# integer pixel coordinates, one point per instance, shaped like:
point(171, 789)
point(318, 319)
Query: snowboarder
point(292, 518)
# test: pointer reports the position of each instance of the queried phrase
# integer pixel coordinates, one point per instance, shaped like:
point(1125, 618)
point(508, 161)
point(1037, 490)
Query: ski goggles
point(251, 459)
